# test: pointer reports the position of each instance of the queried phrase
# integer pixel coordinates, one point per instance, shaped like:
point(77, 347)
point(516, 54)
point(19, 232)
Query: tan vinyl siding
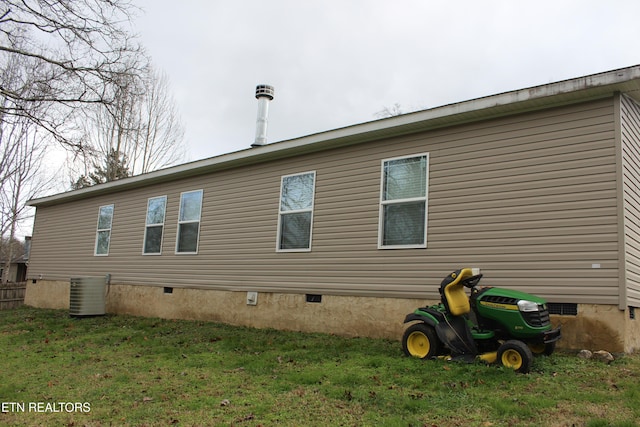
point(630, 127)
point(530, 199)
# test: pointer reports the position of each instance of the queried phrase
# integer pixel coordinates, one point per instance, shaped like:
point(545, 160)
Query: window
point(296, 212)
point(103, 234)
point(403, 203)
point(156, 207)
point(189, 222)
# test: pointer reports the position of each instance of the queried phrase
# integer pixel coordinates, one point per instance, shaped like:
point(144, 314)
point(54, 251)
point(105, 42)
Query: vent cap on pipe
point(264, 90)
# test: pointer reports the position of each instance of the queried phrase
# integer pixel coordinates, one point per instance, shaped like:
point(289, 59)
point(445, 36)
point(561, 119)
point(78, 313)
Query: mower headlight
point(526, 306)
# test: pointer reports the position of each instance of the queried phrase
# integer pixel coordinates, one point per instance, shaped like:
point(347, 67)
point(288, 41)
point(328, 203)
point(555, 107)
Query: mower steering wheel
point(471, 282)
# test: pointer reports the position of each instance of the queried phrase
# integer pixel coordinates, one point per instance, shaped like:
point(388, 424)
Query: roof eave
point(565, 92)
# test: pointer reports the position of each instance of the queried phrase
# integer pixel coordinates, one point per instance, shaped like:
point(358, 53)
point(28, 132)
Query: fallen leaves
point(102, 376)
point(281, 360)
point(461, 384)
point(248, 417)
point(176, 378)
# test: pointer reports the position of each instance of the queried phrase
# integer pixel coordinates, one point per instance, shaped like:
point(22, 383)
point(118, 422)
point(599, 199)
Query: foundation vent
point(563, 308)
point(314, 298)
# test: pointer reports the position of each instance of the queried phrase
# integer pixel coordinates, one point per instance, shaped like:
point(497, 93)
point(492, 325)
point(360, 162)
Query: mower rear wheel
point(516, 355)
point(420, 340)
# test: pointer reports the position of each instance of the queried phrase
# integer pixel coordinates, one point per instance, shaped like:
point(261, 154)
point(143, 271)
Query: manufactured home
point(348, 230)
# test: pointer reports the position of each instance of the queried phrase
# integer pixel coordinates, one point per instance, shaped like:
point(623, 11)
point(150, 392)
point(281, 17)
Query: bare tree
point(79, 50)
point(137, 133)
point(394, 110)
point(159, 141)
point(12, 72)
point(23, 148)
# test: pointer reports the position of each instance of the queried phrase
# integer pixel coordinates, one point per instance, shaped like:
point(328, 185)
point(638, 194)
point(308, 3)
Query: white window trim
point(311, 209)
point(146, 227)
point(383, 203)
point(98, 230)
point(189, 222)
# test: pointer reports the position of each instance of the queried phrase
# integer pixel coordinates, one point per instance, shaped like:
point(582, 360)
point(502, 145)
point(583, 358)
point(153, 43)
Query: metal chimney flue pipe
point(264, 95)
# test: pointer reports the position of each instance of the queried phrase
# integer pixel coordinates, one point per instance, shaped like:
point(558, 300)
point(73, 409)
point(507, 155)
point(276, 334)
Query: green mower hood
point(523, 314)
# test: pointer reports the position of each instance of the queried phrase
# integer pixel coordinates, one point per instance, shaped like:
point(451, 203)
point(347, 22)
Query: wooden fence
point(12, 295)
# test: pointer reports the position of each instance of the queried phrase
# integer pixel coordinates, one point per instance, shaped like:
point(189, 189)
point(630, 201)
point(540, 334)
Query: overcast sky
point(335, 63)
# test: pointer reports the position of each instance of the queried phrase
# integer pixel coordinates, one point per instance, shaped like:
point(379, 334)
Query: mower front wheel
point(516, 355)
point(546, 349)
point(420, 340)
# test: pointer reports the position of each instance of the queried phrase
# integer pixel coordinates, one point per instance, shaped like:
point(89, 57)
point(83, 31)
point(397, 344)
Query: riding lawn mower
point(491, 324)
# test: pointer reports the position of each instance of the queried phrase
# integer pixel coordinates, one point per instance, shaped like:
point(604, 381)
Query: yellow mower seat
point(455, 296)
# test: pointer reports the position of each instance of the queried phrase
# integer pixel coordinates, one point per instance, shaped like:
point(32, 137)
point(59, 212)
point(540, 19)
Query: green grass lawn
point(122, 370)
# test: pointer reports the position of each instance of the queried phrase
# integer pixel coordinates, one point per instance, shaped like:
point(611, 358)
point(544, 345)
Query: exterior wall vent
point(87, 296)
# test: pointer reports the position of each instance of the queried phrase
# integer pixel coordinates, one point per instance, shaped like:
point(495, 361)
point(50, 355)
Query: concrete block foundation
point(595, 327)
